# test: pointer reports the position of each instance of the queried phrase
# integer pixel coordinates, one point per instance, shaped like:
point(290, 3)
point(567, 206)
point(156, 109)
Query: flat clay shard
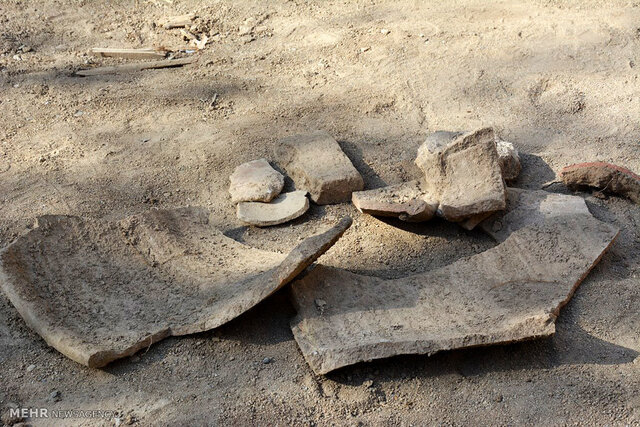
point(511, 292)
point(603, 176)
point(283, 208)
point(526, 207)
point(317, 164)
point(463, 174)
point(407, 201)
point(101, 291)
point(255, 181)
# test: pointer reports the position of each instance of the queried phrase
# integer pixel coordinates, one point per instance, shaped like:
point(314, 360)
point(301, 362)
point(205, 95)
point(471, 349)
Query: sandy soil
point(557, 78)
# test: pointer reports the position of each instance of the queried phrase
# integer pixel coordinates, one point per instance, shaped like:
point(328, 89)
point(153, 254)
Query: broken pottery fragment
point(463, 174)
point(406, 201)
point(509, 160)
point(98, 291)
point(511, 292)
point(605, 177)
point(317, 164)
point(283, 208)
point(255, 181)
point(526, 207)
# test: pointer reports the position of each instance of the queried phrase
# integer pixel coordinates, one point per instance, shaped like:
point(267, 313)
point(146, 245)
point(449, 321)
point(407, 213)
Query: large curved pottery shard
point(98, 292)
point(511, 292)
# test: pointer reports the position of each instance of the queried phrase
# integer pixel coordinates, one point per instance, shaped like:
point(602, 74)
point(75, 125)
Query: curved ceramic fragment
point(511, 292)
point(603, 176)
point(100, 291)
point(285, 207)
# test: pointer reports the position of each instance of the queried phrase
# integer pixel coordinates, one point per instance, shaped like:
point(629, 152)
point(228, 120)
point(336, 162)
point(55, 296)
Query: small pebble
point(267, 360)
point(31, 368)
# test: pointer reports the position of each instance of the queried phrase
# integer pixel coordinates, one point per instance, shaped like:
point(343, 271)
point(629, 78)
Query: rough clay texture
point(283, 208)
point(407, 201)
point(317, 164)
point(463, 174)
point(603, 176)
point(511, 292)
point(509, 160)
point(255, 181)
point(526, 207)
point(563, 92)
point(101, 291)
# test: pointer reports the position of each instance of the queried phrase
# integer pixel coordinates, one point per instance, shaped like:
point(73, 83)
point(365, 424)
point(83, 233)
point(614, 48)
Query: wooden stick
point(128, 68)
point(146, 53)
point(176, 21)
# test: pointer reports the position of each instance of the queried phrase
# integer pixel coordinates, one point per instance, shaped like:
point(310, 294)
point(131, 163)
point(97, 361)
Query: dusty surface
point(559, 79)
point(526, 207)
point(99, 291)
point(508, 293)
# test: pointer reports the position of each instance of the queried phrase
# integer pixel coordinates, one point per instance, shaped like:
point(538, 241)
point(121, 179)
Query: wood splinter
point(145, 53)
point(127, 68)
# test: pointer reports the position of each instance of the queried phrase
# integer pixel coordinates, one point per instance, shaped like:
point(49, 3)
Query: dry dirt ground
point(557, 78)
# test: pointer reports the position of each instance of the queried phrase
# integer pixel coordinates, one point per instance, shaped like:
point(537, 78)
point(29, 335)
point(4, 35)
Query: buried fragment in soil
point(511, 292)
point(100, 291)
point(605, 177)
point(406, 201)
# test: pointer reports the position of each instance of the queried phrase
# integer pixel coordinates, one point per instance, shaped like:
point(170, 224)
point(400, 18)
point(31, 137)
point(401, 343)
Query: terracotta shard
point(407, 201)
point(101, 291)
point(525, 207)
point(317, 164)
point(603, 176)
point(509, 293)
point(463, 174)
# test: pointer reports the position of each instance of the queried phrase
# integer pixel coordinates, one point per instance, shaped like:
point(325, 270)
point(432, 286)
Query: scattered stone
point(509, 293)
point(267, 360)
point(407, 201)
point(509, 160)
point(31, 368)
point(98, 291)
point(385, 31)
point(317, 164)
point(54, 396)
point(255, 181)
point(283, 208)
point(605, 177)
point(463, 173)
point(525, 207)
